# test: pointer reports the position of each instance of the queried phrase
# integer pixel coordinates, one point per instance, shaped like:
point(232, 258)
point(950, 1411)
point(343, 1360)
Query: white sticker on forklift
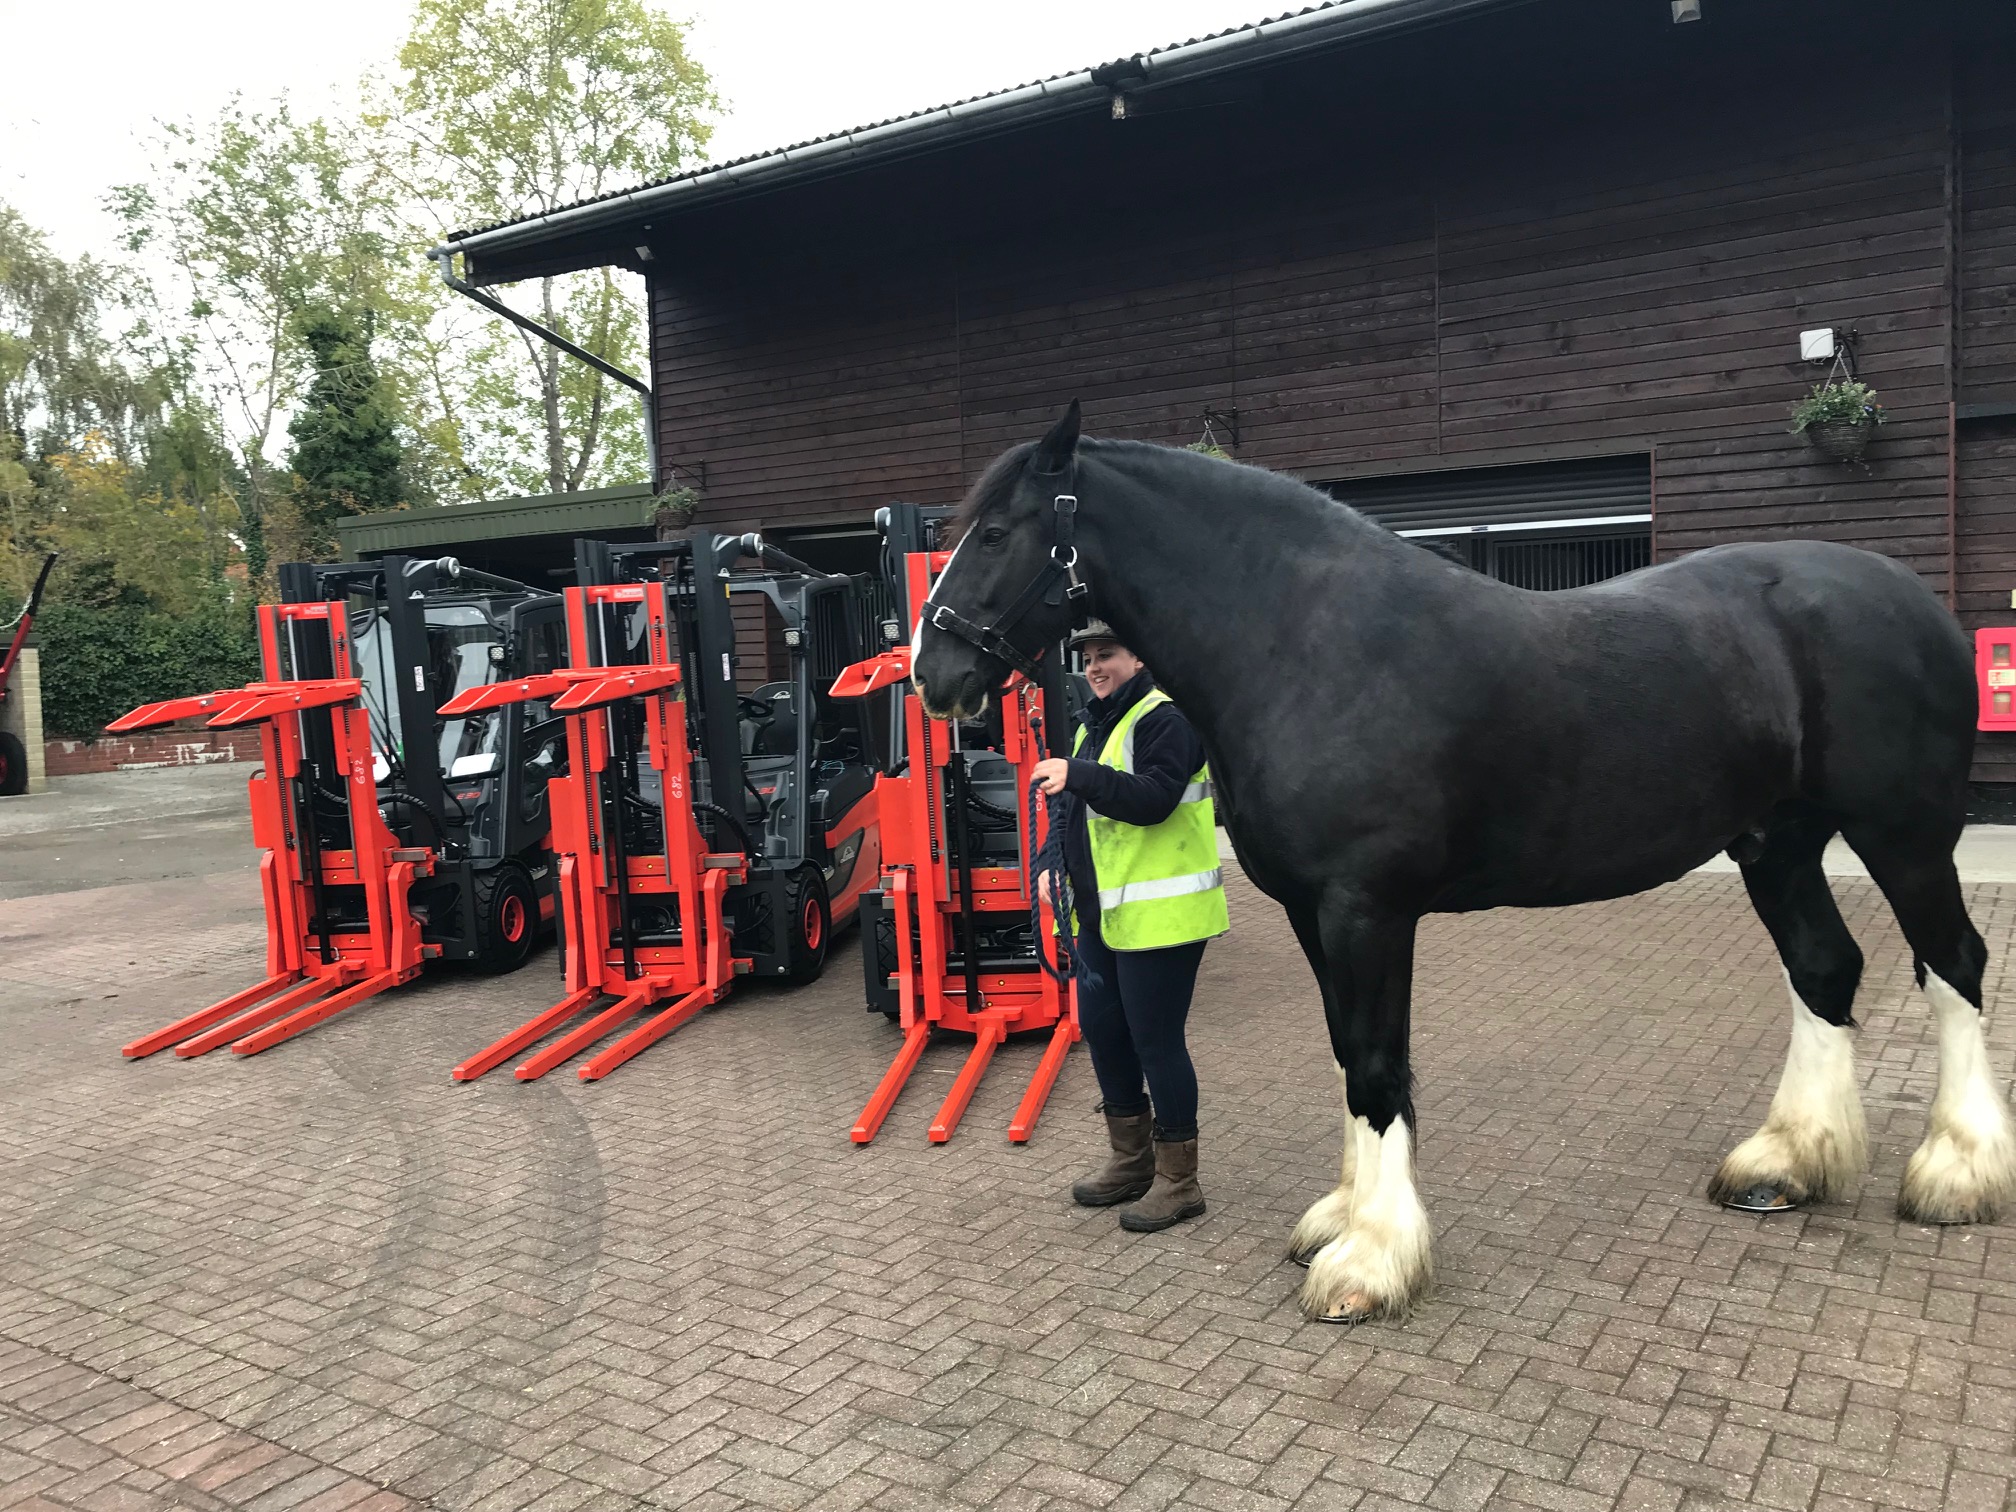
point(726, 675)
point(419, 679)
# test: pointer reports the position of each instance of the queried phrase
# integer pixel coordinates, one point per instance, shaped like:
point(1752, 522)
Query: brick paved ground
point(328, 1278)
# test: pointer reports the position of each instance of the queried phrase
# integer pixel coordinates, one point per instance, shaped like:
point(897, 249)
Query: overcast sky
point(75, 124)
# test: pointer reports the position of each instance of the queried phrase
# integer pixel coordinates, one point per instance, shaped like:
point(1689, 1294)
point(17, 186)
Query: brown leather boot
point(1128, 1174)
point(1175, 1195)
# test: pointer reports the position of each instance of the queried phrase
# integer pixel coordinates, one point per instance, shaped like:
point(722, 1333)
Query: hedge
point(98, 663)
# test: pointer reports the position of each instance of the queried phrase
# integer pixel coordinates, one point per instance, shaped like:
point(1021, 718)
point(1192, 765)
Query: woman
point(1141, 849)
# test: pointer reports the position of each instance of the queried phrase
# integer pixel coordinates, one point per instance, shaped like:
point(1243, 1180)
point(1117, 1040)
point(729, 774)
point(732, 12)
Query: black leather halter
point(1056, 582)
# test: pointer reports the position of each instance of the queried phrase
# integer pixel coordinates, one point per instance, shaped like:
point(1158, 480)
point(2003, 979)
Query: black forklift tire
point(13, 765)
point(507, 919)
point(809, 926)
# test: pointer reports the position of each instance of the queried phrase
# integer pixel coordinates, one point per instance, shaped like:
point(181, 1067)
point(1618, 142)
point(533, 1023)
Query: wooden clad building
point(1528, 275)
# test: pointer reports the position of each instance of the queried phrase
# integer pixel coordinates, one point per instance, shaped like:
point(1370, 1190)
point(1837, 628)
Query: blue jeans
point(1132, 1005)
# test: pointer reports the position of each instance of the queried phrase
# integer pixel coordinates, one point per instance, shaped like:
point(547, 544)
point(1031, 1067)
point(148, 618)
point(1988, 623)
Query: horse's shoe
point(1761, 1198)
point(1353, 1315)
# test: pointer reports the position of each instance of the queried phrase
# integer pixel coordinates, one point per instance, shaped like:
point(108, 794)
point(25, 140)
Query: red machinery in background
point(320, 959)
point(699, 833)
point(950, 940)
point(593, 837)
point(388, 837)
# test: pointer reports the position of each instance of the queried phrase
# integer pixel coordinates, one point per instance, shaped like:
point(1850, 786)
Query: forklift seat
point(777, 736)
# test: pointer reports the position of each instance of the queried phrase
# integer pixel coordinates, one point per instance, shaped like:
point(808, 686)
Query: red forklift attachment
point(948, 935)
point(685, 967)
point(317, 964)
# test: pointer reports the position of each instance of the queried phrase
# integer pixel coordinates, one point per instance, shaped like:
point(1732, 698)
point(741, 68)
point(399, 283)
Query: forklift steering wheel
point(754, 708)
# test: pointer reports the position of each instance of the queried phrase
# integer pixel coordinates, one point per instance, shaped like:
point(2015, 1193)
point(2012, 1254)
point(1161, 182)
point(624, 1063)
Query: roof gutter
point(1268, 41)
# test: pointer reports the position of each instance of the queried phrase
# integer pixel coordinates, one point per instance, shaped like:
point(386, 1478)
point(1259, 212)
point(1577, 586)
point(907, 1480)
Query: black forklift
point(783, 772)
point(470, 790)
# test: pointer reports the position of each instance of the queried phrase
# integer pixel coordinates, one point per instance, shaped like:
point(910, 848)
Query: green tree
point(61, 373)
point(515, 107)
point(256, 217)
point(124, 543)
point(347, 456)
point(191, 467)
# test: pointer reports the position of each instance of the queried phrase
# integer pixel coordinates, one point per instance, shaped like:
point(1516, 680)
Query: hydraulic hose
point(749, 849)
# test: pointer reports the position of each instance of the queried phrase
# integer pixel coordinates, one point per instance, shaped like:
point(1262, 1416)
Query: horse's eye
point(993, 535)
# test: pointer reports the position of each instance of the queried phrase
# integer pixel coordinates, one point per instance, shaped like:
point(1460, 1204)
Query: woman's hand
point(1050, 774)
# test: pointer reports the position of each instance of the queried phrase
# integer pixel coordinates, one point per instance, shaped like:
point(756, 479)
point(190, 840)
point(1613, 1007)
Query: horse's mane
point(1005, 472)
point(994, 484)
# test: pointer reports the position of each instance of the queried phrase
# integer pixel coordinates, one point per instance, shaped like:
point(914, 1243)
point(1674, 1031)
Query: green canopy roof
point(592, 512)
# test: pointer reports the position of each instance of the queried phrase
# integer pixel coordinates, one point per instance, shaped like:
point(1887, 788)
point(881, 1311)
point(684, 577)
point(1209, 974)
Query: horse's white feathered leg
point(1380, 1265)
point(1814, 1141)
point(1965, 1171)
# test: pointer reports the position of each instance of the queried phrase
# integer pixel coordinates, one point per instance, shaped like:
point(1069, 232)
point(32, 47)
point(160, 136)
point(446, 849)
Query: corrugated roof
point(833, 136)
point(1237, 47)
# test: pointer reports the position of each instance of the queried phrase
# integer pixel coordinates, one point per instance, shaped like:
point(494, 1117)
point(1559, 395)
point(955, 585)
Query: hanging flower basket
point(673, 512)
point(1843, 440)
point(1838, 418)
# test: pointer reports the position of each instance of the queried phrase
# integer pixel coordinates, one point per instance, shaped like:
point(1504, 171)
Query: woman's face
point(1109, 666)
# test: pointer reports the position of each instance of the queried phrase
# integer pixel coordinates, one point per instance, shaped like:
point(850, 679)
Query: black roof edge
point(1330, 25)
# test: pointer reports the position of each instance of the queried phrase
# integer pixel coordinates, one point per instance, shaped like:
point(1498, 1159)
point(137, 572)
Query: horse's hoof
point(1761, 1198)
point(1366, 1276)
point(1354, 1309)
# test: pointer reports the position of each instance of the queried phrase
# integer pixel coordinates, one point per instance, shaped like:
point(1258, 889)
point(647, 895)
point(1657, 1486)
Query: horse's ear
point(1055, 451)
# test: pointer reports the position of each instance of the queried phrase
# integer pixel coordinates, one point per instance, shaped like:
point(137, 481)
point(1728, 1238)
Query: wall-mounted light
point(1832, 344)
point(1686, 10)
point(1119, 106)
point(643, 254)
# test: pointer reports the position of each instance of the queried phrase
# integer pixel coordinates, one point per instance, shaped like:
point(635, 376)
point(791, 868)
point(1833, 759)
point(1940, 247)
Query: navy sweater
point(1167, 754)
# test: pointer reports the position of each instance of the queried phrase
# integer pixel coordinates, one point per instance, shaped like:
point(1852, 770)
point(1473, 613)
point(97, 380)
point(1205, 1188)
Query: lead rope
point(1049, 863)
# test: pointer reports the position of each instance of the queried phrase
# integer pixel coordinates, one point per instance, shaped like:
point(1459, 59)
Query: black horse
point(1391, 734)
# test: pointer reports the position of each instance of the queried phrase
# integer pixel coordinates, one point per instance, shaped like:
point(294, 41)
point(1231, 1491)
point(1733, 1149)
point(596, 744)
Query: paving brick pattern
point(328, 1278)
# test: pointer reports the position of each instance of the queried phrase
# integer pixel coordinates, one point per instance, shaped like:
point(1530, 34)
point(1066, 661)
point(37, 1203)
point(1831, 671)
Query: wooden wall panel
point(1987, 260)
point(810, 400)
point(1541, 266)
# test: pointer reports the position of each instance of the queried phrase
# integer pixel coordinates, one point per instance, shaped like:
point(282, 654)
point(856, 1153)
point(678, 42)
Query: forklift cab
point(494, 765)
point(472, 790)
point(807, 755)
point(783, 772)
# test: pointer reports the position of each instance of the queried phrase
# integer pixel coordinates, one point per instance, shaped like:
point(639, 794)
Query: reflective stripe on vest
point(1159, 884)
point(1168, 887)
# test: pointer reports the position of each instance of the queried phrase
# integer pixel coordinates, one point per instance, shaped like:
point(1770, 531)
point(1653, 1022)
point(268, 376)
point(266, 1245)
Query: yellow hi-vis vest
point(1159, 884)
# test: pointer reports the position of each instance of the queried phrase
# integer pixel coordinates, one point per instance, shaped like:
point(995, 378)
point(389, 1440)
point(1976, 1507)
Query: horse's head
point(984, 615)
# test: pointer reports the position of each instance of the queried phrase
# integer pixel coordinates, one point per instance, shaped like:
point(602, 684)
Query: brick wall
point(172, 745)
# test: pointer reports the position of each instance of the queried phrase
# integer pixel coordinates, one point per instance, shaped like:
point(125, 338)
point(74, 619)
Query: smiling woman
point(1133, 805)
point(1601, 741)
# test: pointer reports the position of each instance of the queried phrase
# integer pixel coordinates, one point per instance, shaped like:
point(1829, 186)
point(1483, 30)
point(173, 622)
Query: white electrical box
point(1816, 346)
